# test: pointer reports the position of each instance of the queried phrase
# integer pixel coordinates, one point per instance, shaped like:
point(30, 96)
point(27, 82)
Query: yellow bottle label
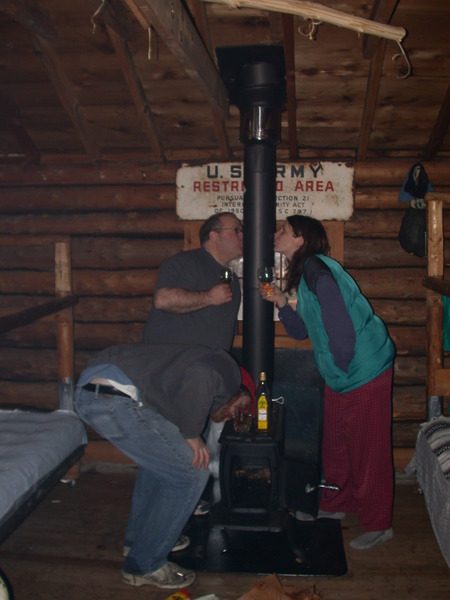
point(262, 413)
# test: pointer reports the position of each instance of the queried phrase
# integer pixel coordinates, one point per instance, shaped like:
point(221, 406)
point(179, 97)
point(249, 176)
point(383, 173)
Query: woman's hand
point(274, 295)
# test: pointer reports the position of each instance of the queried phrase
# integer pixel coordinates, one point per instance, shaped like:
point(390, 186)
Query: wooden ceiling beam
point(30, 16)
point(440, 129)
point(114, 14)
point(289, 57)
point(10, 119)
point(382, 12)
point(319, 12)
point(198, 11)
point(175, 27)
point(137, 92)
point(63, 88)
point(43, 34)
point(370, 101)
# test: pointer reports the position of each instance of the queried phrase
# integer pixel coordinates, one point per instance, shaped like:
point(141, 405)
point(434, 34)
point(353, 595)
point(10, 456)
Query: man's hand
point(201, 452)
point(227, 410)
point(220, 294)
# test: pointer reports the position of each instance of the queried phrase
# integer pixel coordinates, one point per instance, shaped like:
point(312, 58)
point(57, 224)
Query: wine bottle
point(263, 404)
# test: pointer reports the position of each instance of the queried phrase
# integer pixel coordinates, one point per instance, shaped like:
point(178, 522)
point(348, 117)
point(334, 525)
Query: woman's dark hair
point(315, 242)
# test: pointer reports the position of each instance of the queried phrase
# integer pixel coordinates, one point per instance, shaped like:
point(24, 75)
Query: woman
point(354, 355)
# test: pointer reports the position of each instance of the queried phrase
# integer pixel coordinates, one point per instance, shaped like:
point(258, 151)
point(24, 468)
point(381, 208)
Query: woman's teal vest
point(374, 350)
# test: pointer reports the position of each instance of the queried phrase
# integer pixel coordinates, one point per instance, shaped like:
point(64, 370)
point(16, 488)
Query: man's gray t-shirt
point(214, 326)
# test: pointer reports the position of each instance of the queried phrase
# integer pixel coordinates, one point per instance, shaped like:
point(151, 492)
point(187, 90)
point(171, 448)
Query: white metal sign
point(323, 190)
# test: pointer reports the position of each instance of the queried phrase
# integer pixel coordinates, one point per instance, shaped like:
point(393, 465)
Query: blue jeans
point(167, 487)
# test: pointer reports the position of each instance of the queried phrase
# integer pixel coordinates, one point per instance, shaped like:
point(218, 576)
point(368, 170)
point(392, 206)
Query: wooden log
point(24, 394)
point(395, 283)
point(100, 174)
point(380, 173)
point(409, 340)
point(38, 365)
point(382, 198)
point(382, 224)
point(121, 283)
point(136, 308)
point(87, 198)
point(390, 283)
point(130, 223)
point(409, 402)
point(410, 370)
point(102, 451)
point(93, 253)
point(377, 173)
point(398, 312)
point(368, 253)
point(404, 434)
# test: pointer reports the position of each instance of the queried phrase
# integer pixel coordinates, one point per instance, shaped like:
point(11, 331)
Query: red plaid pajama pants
point(357, 452)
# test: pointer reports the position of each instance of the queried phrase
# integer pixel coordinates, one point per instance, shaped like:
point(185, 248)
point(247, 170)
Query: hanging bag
point(413, 229)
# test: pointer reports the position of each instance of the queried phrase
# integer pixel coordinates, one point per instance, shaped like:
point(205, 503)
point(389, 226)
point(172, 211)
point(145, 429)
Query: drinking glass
point(226, 275)
point(242, 421)
point(266, 276)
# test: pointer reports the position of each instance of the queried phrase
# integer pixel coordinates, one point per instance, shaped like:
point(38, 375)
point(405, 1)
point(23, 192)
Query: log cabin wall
point(123, 224)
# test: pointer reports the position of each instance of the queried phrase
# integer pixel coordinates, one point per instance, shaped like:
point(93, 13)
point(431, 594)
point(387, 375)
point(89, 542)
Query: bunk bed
point(431, 460)
point(38, 447)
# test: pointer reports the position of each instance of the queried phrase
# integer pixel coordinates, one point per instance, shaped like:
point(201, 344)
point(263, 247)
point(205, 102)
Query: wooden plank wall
point(123, 225)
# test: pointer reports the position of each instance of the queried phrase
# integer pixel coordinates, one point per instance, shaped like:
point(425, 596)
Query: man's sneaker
point(202, 508)
point(182, 542)
point(169, 576)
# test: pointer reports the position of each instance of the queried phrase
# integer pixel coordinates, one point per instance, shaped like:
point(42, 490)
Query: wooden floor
point(70, 549)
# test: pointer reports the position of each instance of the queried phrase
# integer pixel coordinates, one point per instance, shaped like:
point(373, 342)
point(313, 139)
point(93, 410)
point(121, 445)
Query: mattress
point(35, 449)
point(431, 463)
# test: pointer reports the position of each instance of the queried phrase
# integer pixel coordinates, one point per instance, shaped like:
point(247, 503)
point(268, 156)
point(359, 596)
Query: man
point(153, 402)
point(190, 305)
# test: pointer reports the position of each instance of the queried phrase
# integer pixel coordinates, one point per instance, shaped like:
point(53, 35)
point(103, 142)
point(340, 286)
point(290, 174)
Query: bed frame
point(431, 460)
point(38, 447)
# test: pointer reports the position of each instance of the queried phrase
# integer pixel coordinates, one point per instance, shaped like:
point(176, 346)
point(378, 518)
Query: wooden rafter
point(30, 16)
point(200, 16)
point(66, 95)
point(289, 57)
point(114, 14)
point(10, 119)
point(137, 92)
point(382, 12)
point(320, 13)
point(440, 128)
point(174, 25)
point(39, 25)
point(370, 101)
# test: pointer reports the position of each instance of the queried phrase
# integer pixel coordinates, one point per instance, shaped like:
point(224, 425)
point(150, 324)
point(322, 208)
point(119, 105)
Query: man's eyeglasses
point(237, 230)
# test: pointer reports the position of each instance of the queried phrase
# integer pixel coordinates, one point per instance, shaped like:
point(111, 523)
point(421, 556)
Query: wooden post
point(63, 287)
point(435, 356)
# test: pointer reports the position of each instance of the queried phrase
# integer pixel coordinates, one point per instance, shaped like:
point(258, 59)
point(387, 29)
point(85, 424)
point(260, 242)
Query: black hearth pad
point(302, 548)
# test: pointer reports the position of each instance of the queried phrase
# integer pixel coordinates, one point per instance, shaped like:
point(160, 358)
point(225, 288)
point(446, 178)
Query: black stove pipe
point(260, 97)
